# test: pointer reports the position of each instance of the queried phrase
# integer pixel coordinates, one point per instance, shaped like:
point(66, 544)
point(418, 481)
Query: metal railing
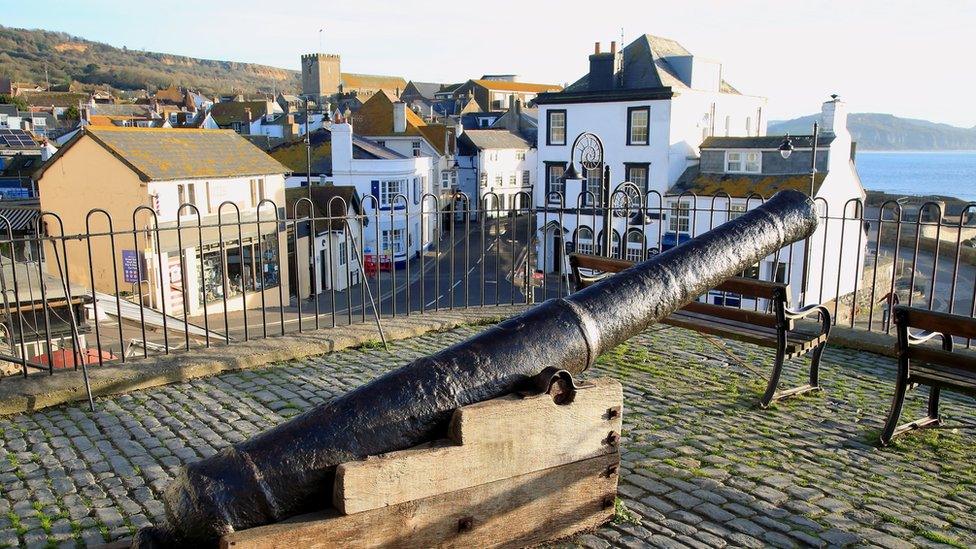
point(87, 291)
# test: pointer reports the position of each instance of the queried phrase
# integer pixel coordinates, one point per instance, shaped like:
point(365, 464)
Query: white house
point(649, 106)
point(743, 170)
point(337, 223)
point(503, 165)
point(392, 186)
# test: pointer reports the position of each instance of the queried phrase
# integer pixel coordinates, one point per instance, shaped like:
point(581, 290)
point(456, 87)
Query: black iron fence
point(93, 288)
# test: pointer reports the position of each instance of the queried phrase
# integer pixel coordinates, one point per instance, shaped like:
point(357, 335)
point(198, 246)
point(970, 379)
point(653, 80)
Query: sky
point(908, 58)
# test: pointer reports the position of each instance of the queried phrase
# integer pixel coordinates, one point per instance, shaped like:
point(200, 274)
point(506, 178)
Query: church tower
point(320, 75)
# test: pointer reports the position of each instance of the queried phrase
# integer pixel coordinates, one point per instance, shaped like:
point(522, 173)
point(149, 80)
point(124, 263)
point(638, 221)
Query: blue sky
point(908, 58)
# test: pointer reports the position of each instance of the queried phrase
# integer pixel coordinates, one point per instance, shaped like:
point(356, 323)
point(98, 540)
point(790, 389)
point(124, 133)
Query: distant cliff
point(38, 55)
point(874, 131)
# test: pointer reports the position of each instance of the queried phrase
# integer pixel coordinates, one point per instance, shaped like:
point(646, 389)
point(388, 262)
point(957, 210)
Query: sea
point(922, 173)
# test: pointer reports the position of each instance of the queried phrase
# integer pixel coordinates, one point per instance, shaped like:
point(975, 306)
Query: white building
point(503, 170)
point(749, 168)
point(392, 186)
point(650, 105)
point(337, 223)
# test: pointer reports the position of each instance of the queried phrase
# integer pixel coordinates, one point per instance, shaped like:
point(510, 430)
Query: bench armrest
point(804, 312)
point(923, 336)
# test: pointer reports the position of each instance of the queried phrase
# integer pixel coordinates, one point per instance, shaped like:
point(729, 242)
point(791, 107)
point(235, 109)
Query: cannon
point(285, 470)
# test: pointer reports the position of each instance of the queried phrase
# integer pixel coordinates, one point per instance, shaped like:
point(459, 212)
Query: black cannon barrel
point(289, 469)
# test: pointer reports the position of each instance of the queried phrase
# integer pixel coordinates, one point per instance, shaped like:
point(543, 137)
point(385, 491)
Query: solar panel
point(16, 138)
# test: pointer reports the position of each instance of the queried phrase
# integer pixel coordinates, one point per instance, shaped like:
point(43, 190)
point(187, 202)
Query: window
point(192, 188)
point(526, 175)
point(181, 193)
point(254, 192)
point(736, 211)
point(594, 184)
point(635, 245)
point(584, 240)
point(780, 273)
point(445, 179)
point(484, 179)
point(638, 124)
point(728, 123)
point(519, 155)
point(554, 181)
point(748, 125)
point(416, 148)
point(751, 272)
point(680, 220)
point(392, 240)
point(483, 122)
point(512, 180)
point(416, 190)
point(342, 252)
point(454, 178)
point(637, 174)
point(390, 189)
point(743, 162)
point(498, 180)
point(556, 127)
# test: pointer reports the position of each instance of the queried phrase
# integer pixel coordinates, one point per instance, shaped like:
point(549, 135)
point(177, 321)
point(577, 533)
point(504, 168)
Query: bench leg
point(892, 429)
point(773, 395)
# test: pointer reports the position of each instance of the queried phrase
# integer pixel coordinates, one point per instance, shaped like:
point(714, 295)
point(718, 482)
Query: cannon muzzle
point(288, 470)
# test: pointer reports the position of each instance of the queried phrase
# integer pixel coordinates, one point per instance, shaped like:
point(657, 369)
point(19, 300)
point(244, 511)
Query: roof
point(55, 99)
point(375, 119)
point(372, 82)
point(495, 139)
point(20, 165)
point(765, 142)
point(173, 94)
point(645, 65)
point(505, 85)
point(120, 109)
point(324, 198)
point(161, 154)
point(17, 139)
point(426, 89)
point(294, 156)
point(741, 185)
point(228, 112)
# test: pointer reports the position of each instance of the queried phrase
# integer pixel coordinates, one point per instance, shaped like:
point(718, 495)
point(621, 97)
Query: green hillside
point(24, 54)
point(875, 131)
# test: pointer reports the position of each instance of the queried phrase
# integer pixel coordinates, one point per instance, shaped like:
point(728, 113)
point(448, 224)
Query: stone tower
point(320, 75)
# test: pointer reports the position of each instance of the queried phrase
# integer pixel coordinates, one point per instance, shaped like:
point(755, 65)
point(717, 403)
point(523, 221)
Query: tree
point(14, 100)
point(71, 113)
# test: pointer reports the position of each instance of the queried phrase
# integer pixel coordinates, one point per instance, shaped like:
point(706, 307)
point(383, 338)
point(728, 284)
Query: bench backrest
point(948, 325)
point(775, 292)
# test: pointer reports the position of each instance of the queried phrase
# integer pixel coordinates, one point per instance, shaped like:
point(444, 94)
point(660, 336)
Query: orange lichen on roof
point(503, 85)
point(172, 93)
point(375, 119)
point(351, 81)
point(160, 154)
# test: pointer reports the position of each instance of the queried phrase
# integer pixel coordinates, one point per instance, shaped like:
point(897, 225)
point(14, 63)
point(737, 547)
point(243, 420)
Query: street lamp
point(786, 148)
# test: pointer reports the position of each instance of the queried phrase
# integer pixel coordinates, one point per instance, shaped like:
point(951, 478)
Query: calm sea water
point(946, 173)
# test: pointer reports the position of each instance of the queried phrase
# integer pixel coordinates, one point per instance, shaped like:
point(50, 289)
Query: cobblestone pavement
point(703, 466)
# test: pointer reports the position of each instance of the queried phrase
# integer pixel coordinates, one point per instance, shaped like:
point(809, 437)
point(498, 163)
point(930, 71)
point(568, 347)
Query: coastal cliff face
point(873, 131)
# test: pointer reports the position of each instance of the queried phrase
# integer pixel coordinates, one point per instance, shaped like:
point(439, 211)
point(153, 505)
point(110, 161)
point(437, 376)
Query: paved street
point(702, 465)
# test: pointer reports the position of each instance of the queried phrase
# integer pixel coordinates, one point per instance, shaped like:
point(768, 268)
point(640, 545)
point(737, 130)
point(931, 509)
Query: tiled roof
point(56, 99)
point(765, 142)
point(326, 203)
point(741, 185)
point(294, 156)
point(504, 85)
point(225, 114)
point(495, 139)
point(171, 153)
point(120, 109)
point(426, 89)
point(352, 81)
point(375, 119)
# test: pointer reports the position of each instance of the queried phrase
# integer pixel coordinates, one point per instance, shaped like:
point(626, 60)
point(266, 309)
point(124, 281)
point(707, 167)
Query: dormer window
point(743, 162)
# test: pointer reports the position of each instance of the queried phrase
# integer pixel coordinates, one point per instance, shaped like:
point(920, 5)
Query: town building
point(334, 214)
point(392, 186)
point(387, 121)
point(173, 177)
point(497, 93)
point(322, 77)
point(645, 109)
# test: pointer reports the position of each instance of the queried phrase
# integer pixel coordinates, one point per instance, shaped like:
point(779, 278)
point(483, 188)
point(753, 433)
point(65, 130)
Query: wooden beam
point(488, 441)
point(513, 512)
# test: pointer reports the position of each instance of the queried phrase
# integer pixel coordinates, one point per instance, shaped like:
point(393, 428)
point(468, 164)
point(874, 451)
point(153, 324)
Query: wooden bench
point(775, 329)
point(926, 365)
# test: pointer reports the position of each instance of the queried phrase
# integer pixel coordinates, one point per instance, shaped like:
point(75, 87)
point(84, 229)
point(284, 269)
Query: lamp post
point(785, 150)
point(308, 153)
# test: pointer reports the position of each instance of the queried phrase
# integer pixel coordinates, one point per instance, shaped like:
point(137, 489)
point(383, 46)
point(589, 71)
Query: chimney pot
point(613, 47)
point(596, 48)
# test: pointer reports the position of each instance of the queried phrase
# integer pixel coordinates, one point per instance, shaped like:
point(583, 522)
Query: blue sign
point(130, 266)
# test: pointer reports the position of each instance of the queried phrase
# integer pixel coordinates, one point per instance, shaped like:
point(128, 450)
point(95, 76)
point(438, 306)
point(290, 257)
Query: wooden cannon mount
point(514, 471)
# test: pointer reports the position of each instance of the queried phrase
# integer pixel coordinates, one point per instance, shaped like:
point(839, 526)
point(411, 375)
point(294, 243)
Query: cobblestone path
point(703, 466)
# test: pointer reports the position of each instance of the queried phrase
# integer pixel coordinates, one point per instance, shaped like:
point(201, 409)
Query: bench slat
point(941, 376)
point(933, 321)
point(937, 357)
point(758, 318)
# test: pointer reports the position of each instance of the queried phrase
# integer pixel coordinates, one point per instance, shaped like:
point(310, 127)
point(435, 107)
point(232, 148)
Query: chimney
point(514, 117)
point(399, 117)
point(602, 67)
point(833, 116)
point(613, 48)
point(341, 147)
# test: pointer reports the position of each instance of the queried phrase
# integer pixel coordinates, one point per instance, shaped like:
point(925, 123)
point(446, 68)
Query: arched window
point(584, 240)
point(635, 245)
point(615, 244)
